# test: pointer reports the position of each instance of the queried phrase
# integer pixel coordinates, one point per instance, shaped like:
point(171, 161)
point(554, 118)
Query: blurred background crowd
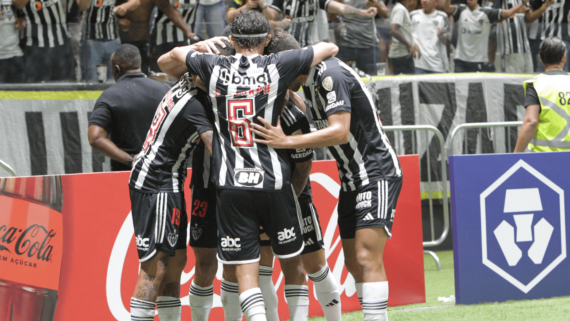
point(73, 40)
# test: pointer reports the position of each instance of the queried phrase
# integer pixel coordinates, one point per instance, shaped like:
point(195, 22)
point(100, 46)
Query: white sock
point(327, 292)
point(375, 301)
point(201, 299)
point(142, 310)
point(169, 308)
point(298, 300)
point(359, 292)
point(230, 301)
point(269, 294)
point(252, 305)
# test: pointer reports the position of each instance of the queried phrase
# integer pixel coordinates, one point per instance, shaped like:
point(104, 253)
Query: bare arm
point(20, 3)
point(130, 5)
point(322, 51)
point(174, 16)
point(297, 101)
point(207, 137)
point(532, 14)
point(509, 12)
point(173, 63)
point(98, 140)
point(414, 50)
point(232, 13)
point(380, 8)
point(528, 128)
point(448, 7)
point(336, 134)
point(301, 176)
point(82, 4)
point(342, 9)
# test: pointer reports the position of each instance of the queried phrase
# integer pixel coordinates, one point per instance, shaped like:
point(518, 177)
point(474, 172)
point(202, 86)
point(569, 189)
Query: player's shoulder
point(333, 68)
point(441, 14)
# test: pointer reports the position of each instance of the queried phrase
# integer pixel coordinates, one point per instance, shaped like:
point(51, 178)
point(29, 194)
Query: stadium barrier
point(488, 144)
point(99, 263)
point(7, 168)
point(509, 222)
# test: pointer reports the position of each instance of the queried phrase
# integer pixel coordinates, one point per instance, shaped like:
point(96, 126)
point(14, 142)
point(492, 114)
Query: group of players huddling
point(236, 109)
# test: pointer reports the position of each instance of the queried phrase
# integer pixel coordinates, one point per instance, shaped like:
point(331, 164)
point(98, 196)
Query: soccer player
point(157, 198)
point(371, 177)
point(253, 181)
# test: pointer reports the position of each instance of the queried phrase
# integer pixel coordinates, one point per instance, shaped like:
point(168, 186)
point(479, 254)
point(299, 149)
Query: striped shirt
point(303, 15)
point(175, 131)
point(368, 157)
point(554, 21)
point(46, 23)
point(100, 21)
point(165, 31)
point(511, 32)
point(242, 88)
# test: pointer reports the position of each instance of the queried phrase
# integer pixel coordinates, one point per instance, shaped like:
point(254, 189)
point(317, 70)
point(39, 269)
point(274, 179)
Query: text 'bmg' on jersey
point(175, 130)
point(368, 157)
point(241, 89)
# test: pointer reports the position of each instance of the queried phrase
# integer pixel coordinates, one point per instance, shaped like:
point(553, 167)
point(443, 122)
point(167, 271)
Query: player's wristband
point(131, 159)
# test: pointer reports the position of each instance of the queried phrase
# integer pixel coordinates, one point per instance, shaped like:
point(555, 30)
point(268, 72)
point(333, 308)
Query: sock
point(269, 294)
point(201, 299)
point(298, 300)
point(169, 308)
point(375, 301)
point(142, 310)
point(327, 293)
point(359, 292)
point(252, 305)
point(230, 301)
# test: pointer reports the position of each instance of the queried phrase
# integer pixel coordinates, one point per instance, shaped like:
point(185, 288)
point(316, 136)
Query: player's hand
point(120, 10)
point(134, 160)
point(209, 46)
point(370, 12)
point(20, 23)
point(124, 24)
point(371, 3)
point(274, 136)
point(285, 23)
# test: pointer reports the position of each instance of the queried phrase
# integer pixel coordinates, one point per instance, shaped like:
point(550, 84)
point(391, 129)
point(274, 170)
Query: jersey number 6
point(239, 126)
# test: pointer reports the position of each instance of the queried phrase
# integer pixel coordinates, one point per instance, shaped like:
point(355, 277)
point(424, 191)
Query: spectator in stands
point(11, 56)
point(430, 29)
point(211, 13)
point(553, 18)
point(474, 26)
point(356, 37)
point(512, 39)
point(47, 48)
point(74, 29)
point(125, 110)
point(101, 37)
point(403, 50)
point(238, 6)
point(544, 127)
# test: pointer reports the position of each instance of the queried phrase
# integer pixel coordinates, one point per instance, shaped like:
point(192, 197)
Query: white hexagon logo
point(517, 201)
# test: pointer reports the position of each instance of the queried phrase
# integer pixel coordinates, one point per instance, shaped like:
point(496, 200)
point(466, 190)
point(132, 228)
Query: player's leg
point(315, 263)
point(351, 264)
point(266, 278)
point(168, 300)
point(203, 233)
point(229, 294)
point(151, 274)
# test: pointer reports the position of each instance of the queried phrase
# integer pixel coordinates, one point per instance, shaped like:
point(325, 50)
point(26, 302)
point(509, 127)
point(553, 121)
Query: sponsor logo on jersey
point(249, 177)
point(287, 235)
point(328, 83)
point(230, 244)
point(363, 200)
point(142, 243)
point(196, 232)
point(333, 105)
point(228, 77)
point(320, 124)
point(331, 97)
point(172, 238)
point(368, 217)
point(302, 153)
point(309, 242)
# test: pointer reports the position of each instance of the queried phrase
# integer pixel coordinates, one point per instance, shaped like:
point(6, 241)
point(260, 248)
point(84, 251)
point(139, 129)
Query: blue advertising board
point(509, 226)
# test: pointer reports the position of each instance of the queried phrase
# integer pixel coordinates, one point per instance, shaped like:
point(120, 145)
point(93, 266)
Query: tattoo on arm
point(350, 11)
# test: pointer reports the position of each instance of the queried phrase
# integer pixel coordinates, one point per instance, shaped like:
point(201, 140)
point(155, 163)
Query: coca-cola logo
point(33, 242)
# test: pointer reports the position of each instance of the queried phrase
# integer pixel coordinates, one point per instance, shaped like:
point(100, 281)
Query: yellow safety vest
point(553, 130)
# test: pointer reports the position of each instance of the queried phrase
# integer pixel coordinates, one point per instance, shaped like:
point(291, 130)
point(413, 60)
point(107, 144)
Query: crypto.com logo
point(518, 201)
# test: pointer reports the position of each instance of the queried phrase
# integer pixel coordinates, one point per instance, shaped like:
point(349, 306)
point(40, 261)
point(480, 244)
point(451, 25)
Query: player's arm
point(449, 8)
point(173, 63)
point(342, 9)
point(301, 176)
point(174, 16)
point(98, 139)
point(336, 134)
point(536, 12)
point(509, 12)
point(122, 9)
point(207, 138)
point(528, 128)
point(322, 51)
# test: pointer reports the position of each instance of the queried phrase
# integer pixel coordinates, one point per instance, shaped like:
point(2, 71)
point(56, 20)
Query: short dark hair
point(249, 22)
point(551, 50)
point(229, 50)
point(128, 57)
point(281, 40)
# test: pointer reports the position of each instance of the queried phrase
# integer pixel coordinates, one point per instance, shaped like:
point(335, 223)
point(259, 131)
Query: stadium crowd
point(72, 40)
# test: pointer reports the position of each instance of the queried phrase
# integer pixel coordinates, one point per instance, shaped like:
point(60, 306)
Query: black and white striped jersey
point(368, 157)
point(295, 122)
point(100, 21)
point(201, 167)
point(303, 15)
point(46, 23)
point(165, 31)
point(241, 89)
point(511, 32)
point(175, 130)
point(554, 21)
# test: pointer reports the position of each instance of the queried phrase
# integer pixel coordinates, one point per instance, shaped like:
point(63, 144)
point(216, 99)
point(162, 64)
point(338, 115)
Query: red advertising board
point(100, 264)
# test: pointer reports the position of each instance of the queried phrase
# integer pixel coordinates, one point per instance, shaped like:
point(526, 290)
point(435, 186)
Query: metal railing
point(443, 156)
point(481, 126)
point(7, 167)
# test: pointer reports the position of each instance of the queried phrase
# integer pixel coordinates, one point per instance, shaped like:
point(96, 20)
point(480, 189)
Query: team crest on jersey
point(196, 232)
point(328, 83)
point(249, 177)
point(172, 238)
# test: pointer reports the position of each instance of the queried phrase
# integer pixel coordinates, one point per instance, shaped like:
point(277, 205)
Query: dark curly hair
point(551, 50)
point(281, 40)
point(229, 50)
point(250, 22)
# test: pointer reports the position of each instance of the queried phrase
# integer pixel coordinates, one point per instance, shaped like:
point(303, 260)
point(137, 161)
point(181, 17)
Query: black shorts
point(160, 222)
point(312, 232)
point(372, 205)
point(240, 213)
point(203, 226)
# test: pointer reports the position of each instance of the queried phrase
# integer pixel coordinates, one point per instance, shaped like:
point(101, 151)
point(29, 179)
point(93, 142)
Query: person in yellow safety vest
point(546, 125)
